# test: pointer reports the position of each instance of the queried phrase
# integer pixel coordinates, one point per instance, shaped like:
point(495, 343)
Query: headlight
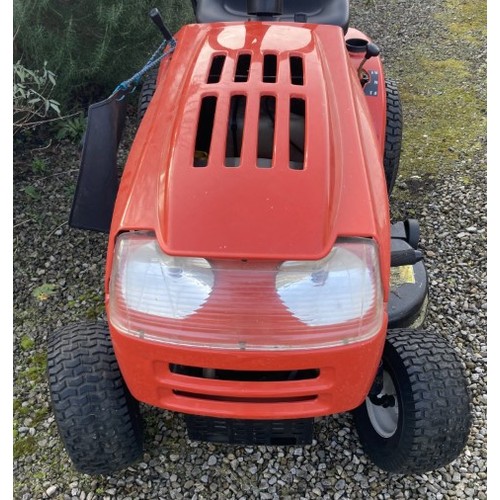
point(342, 287)
point(148, 281)
point(246, 305)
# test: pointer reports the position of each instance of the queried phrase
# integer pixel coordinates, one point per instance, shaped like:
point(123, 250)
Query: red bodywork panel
point(346, 375)
point(249, 212)
point(246, 211)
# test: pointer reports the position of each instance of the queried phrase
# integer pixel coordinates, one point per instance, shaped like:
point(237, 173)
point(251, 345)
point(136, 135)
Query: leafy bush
point(32, 103)
point(91, 45)
point(72, 128)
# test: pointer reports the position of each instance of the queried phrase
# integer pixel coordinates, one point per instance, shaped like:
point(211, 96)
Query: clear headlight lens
point(151, 282)
point(254, 305)
point(342, 287)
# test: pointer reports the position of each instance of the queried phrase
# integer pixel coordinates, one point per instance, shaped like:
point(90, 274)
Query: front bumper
point(344, 377)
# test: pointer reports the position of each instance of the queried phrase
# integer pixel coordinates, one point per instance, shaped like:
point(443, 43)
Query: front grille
point(241, 399)
point(244, 375)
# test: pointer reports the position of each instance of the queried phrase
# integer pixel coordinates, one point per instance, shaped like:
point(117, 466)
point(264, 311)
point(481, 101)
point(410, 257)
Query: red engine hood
point(247, 211)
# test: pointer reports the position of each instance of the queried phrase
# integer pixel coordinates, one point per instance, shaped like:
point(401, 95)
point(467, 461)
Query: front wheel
point(418, 417)
point(98, 419)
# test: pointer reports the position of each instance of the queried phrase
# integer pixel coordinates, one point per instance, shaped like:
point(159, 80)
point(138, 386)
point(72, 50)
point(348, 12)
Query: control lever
point(372, 50)
point(155, 16)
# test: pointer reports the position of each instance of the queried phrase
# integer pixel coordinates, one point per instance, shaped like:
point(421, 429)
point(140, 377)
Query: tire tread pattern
point(147, 92)
point(393, 134)
point(98, 419)
point(434, 394)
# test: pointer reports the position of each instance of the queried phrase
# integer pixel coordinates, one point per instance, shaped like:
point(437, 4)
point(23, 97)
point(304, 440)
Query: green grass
point(24, 446)
point(19, 409)
point(466, 21)
point(27, 343)
point(39, 416)
point(445, 116)
point(37, 366)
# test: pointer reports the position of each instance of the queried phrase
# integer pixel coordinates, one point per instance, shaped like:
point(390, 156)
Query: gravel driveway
point(58, 280)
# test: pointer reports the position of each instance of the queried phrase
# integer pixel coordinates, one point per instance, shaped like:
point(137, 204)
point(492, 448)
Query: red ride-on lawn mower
point(254, 280)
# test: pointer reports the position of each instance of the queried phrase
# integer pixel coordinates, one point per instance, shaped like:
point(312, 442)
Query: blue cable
point(154, 60)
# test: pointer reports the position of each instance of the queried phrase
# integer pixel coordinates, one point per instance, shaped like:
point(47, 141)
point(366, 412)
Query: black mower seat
point(334, 12)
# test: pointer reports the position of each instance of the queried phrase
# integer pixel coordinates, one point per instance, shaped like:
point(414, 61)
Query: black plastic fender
point(97, 184)
point(409, 290)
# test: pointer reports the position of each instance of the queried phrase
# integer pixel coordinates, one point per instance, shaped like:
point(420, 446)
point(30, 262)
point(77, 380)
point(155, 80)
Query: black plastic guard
point(97, 184)
point(250, 432)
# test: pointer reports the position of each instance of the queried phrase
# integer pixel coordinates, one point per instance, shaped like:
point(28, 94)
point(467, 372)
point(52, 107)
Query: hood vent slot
point(296, 70)
point(242, 68)
point(216, 69)
point(270, 68)
point(235, 129)
point(204, 131)
point(297, 132)
point(267, 120)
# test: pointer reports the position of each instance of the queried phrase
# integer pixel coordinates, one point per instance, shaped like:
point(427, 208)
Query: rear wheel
point(393, 134)
point(97, 417)
point(147, 92)
point(418, 418)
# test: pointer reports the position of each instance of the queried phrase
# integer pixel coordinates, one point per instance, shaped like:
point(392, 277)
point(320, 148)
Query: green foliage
point(19, 409)
point(91, 45)
point(31, 192)
point(39, 416)
point(43, 292)
point(24, 447)
point(38, 166)
point(32, 91)
point(37, 367)
point(27, 343)
point(72, 128)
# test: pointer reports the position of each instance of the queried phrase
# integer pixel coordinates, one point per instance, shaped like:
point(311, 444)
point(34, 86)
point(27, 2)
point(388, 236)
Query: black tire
point(432, 413)
point(98, 419)
point(393, 134)
point(147, 92)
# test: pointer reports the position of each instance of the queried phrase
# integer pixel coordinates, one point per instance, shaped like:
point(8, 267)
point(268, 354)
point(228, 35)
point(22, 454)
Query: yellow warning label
point(401, 275)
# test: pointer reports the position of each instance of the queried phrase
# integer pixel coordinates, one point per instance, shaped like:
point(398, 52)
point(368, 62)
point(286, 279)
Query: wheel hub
point(384, 411)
